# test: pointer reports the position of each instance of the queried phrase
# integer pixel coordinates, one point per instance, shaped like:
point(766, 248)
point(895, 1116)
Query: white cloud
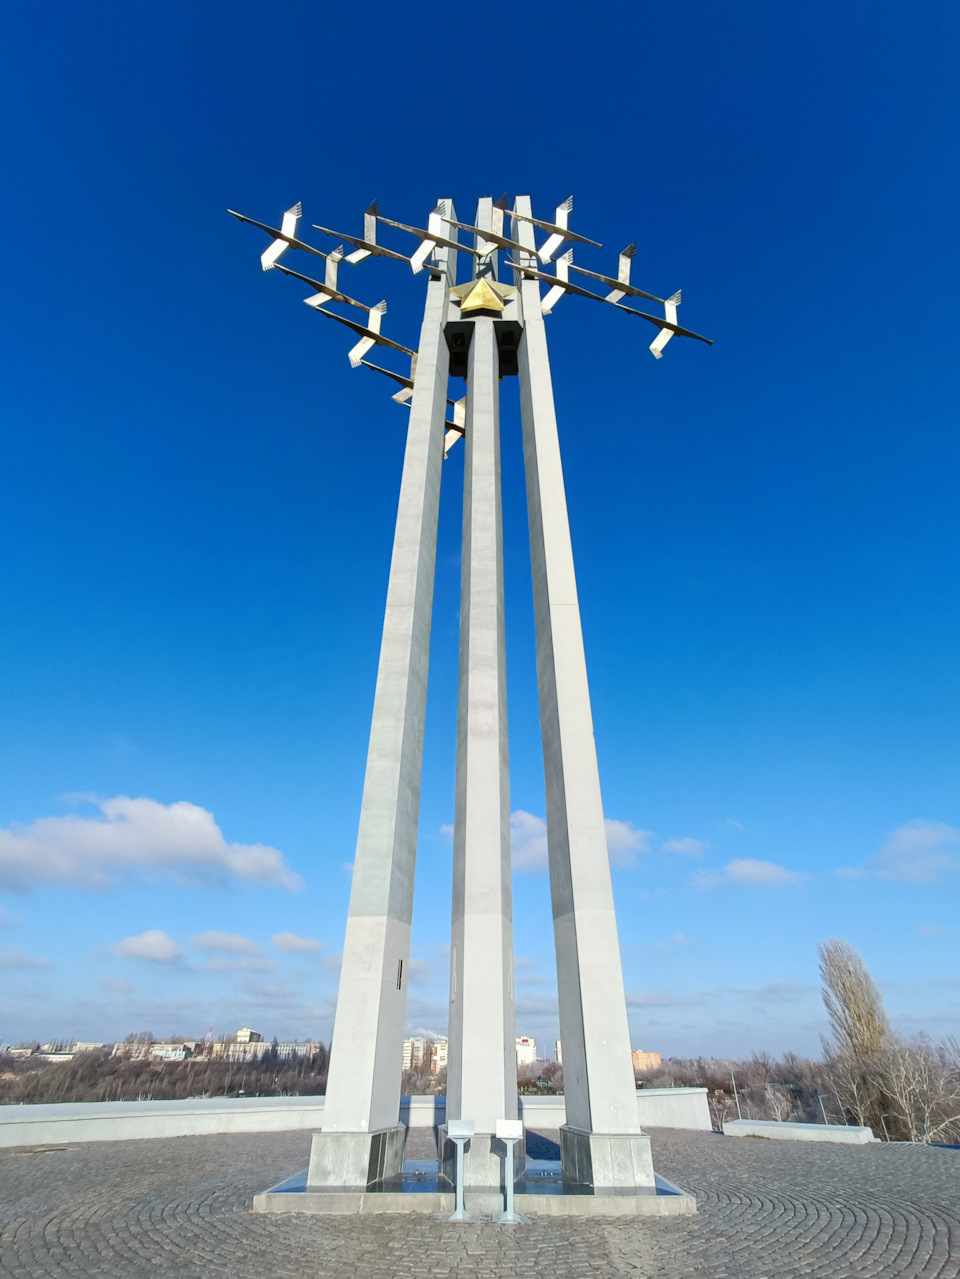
point(651, 999)
point(447, 831)
point(238, 966)
point(916, 853)
point(678, 939)
point(420, 970)
point(154, 945)
point(12, 958)
point(686, 847)
point(785, 991)
point(118, 985)
point(931, 930)
point(231, 943)
point(624, 842)
point(293, 944)
point(731, 823)
point(528, 841)
point(749, 870)
point(179, 840)
point(7, 920)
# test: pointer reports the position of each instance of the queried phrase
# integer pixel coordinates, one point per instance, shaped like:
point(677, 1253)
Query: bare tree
point(780, 1103)
point(721, 1108)
point(853, 1003)
point(861, 1038)
point(923, 1090)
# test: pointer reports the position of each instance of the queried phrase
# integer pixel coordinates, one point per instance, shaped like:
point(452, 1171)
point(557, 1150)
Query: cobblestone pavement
point(768, 1210)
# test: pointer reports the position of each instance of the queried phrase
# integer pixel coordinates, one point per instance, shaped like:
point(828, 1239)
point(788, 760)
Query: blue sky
point(199, 497)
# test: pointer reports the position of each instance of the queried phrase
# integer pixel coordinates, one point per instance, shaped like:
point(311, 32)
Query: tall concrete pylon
point(362, 1138)
point(601, 1142)
point(481, 330)
point(482, 1061)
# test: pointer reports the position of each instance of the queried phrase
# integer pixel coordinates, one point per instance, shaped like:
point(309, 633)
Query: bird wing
point(555, 282)
point(369, 246)
point(428, 235)
point(279, 235)
point(664, 324)
point(500, 240)
point(623, 289)
point(397, 377)
point(363, 330)
point(334, 294)
point(555, 228)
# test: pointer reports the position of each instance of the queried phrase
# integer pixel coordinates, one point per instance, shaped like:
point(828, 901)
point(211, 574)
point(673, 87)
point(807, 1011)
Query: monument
point(484, 330)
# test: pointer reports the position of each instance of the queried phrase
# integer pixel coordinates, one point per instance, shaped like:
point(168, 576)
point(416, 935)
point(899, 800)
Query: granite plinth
point(606, 1161)
point(356, 1160)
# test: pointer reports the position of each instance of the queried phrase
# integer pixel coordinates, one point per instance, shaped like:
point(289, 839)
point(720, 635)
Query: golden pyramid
point(481, 295)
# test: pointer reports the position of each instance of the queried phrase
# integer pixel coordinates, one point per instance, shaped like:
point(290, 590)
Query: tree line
point(99, 1076)
point(904, 1089)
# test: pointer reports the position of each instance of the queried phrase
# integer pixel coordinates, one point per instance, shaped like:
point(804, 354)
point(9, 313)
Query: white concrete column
point(482, 1063)
point(361, 1141)
point(600, 1093)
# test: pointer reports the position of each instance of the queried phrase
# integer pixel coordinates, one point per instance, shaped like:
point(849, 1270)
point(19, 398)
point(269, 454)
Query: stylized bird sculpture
point(429, 239)
point(621, 286)
point(489, 241)
point(405, 396)
point(560, 284)
point(284, 238)
point(370, 334)
point(367, 246)
point(328, 291)
point(559, 230)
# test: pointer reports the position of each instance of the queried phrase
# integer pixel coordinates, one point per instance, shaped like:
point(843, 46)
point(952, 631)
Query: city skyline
point(200, 508)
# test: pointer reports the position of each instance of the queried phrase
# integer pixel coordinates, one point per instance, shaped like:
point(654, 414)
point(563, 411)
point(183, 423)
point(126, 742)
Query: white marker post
point(459, 1131)
point(509, 1131)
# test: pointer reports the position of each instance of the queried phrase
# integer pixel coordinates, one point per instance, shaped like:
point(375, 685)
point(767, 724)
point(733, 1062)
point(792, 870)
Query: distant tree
point(858, 1051)
point(857, 1018)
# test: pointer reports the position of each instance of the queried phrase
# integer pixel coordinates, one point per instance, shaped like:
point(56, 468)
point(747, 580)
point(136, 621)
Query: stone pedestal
point(484, 1161)
point(606, 1161)
point(355, 1160)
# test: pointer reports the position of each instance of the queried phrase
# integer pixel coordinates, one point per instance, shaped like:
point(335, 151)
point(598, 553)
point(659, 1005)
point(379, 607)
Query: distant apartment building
point(247, 1036)
point(438, 1056)
point(174, 1051)
point(645, 1061)
point(254, 1049)
point(415, 1052)
point(526, 1051)
point(558, 1052)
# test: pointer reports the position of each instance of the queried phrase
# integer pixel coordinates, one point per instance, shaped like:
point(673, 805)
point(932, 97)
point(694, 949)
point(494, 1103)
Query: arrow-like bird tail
point(370, 222)
point(268, 258)
point(355, 354)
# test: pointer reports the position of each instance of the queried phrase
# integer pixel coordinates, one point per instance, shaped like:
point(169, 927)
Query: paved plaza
point(180, 1208)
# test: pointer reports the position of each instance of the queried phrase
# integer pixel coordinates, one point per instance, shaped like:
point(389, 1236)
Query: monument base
point(355, 1160)
point(484, 1161)
point(422, 1197)
point(606, 1161)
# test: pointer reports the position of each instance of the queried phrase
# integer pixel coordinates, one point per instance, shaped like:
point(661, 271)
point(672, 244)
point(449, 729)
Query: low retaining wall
point(50, 1125)
point(847, 1134)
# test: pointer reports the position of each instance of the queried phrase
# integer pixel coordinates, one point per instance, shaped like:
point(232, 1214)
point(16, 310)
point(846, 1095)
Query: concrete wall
point(848, 1134)
point(136, 1120)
